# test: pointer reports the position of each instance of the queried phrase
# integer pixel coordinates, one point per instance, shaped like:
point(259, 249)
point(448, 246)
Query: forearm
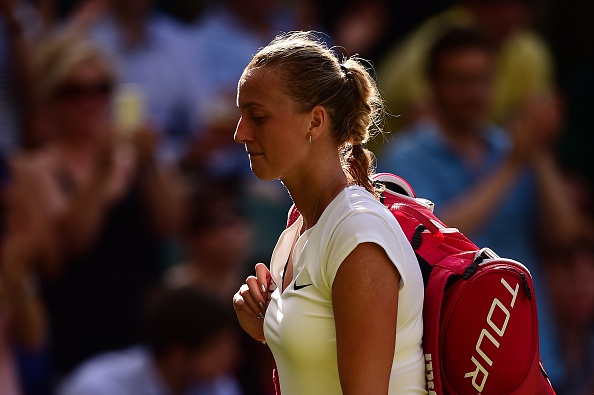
point(472, 208)
point(28, 319)
point(28, 212)
point(18, 292)
point(557, 208)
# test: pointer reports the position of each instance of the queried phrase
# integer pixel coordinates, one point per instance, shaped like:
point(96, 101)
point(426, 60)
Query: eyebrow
point(250, 104)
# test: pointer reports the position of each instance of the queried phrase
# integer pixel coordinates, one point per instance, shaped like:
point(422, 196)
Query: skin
point(27, 323)
point(462, 90)
point(101, 169)
point(86, 115)
point(270, 123)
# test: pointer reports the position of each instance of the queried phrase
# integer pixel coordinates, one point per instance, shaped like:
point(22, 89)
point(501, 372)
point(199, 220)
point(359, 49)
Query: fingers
point(254, 294)
point(256, 299)
point(252, 324)
point(145, 139)
point(264, 278)
point(251, 300)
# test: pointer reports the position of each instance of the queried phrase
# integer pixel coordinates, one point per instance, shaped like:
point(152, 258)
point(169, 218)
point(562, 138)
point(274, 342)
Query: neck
point(171, 378)
point(314, 192)
point(464, 136)
point(133, 26)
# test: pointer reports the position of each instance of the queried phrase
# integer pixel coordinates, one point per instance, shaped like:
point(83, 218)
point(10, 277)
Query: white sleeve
point(366, 227)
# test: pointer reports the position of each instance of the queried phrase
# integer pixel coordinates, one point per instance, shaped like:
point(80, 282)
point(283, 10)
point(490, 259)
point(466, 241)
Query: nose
point(242, 134)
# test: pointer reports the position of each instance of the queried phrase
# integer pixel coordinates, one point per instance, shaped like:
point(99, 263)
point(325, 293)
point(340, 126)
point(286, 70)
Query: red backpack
point(480, 320)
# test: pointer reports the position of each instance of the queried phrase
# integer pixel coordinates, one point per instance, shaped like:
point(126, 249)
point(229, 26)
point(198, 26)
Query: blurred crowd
point(130, 217)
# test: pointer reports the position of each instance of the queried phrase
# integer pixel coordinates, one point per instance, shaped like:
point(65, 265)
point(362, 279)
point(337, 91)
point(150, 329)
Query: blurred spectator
point(360, 26)
point(19, 24)
point(570, 274)
point(149, 52)
point(523, 65)
point(397, 18)
point(185, 11)
point(223, 42)
point(22, 316)
point(189, 348)
point(216, 239)
point(98, 206)
point(495, 189)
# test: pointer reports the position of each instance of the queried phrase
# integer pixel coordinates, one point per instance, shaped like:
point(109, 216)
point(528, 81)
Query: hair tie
point(344, 69)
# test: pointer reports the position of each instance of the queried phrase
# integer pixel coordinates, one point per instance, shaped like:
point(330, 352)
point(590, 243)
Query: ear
point(318, 122)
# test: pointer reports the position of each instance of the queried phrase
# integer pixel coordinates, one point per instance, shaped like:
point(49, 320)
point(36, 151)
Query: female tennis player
point(341, 305)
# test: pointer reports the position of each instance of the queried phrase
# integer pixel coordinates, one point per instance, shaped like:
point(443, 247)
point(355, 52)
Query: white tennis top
point(299, 324)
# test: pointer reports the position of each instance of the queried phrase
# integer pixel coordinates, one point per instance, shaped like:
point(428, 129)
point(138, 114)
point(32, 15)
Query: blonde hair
point(55, 57)
point(312, 75)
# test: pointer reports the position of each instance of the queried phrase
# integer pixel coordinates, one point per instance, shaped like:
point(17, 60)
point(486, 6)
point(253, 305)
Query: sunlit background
point(130, 216)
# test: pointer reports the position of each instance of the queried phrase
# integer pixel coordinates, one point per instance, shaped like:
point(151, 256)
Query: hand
point(87, 13)
point(17, 258)
point(251, 301)
point(537, 126)
point(546, 114)
point(145, 139)
point(106, 148)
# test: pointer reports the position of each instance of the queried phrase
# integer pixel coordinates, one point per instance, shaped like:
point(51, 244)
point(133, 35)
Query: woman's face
point(81, 103)
point(274, 132)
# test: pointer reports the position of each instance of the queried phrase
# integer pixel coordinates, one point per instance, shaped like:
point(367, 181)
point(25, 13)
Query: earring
point(310, 138)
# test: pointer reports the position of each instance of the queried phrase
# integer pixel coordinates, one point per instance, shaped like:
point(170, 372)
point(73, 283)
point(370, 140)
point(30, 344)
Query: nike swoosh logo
point(298, 287)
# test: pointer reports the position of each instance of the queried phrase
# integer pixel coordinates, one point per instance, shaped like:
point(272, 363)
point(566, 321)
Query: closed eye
point(258, 117)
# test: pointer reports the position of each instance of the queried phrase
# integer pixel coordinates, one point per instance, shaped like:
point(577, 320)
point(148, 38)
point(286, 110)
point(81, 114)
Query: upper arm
point(365, 301)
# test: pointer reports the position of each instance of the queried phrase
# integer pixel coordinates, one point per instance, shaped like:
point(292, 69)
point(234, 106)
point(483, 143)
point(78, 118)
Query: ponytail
point(359, 165)
point(363, 115)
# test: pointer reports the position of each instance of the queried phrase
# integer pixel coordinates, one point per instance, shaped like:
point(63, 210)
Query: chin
point(263, 172)
point(264, 176)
